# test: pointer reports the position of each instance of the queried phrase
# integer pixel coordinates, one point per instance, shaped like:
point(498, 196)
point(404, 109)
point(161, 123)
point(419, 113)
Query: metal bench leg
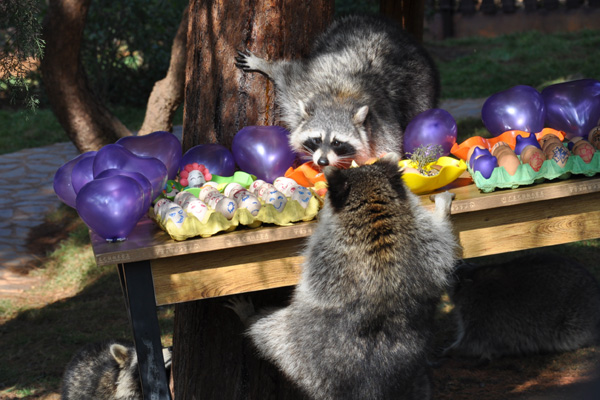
point(138, 289)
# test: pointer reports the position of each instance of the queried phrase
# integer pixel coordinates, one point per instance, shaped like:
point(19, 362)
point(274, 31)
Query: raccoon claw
point(242, 306)
point(247, 61)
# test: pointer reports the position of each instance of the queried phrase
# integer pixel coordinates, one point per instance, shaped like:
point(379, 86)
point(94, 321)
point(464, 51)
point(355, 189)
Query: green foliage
point(127, 46)
point(20, 45)
point(479, 67)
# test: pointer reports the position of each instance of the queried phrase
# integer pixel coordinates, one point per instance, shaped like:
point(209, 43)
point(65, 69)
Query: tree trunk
point(219, 98)
point(167, 94)
point(87, 122)
point(409, 13)
point(211, 357)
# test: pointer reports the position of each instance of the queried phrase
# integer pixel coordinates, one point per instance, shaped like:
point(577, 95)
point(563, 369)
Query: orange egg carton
point(509, 137)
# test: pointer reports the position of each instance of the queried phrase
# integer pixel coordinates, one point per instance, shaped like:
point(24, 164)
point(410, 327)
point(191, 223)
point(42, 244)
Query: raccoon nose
point(323, 162)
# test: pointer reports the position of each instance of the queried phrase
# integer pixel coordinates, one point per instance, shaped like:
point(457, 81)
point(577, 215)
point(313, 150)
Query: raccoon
point(352, 98)
point(360, 319)
point(103, 371)
point(537, 303)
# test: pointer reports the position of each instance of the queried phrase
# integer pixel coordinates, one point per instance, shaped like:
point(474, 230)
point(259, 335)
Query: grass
point(23, 129)
point(478, 67)
point(78, 303)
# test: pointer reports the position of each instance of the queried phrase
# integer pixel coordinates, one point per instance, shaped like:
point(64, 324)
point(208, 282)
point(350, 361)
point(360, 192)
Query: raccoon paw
point(247, 61)
point(242, 306)
point(443, 203)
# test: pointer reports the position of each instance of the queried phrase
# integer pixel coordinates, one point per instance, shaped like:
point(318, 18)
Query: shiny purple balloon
point(573, 107)
point(217, 158)
point(82, 173)
point(111, 206)
point(263, 151)
point(431, 127)
point(115, 156)
point(63, 186)
point(139, 178)
point(160, 144)
point(518, 108)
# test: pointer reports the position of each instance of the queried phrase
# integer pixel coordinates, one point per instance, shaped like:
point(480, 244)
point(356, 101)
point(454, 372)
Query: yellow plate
point(451, 169)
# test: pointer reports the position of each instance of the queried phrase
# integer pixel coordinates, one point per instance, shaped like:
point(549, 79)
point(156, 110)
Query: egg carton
point(525, 175)
point(182, 226)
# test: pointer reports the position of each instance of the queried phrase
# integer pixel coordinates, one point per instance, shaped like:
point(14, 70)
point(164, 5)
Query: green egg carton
point(525, 175)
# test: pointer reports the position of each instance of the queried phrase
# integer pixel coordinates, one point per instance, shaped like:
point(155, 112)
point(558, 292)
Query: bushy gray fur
point(533, 304)
point(103, 371)
point(352, 98)
point(360, 320)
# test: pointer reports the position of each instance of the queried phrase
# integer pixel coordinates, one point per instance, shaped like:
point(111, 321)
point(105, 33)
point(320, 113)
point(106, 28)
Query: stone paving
point(27, 195)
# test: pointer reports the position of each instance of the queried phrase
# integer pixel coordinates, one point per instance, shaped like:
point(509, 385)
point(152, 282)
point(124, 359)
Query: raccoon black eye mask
point(365, 79)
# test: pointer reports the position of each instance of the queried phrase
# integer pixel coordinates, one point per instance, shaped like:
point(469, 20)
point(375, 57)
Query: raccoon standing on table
point(360, 321)
point(352, 98)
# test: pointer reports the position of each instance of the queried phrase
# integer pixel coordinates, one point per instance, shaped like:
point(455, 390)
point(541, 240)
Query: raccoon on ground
point(360, 320)
point(354, 95)
point(103, 371)
point(537, 303)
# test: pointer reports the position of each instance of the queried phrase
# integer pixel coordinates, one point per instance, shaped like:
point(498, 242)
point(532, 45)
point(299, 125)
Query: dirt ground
point(569, 376)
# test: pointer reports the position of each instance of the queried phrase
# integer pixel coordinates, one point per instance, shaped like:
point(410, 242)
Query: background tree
point(123, 48)
point(21, 47)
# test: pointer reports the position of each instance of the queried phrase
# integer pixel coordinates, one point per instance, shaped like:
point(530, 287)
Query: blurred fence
point(457, 18)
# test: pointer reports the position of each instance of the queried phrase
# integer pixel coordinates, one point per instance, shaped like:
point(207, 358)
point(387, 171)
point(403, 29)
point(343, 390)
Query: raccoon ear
point(338, 187)
point(360, 115)
point(305, 110)
point(120, 353)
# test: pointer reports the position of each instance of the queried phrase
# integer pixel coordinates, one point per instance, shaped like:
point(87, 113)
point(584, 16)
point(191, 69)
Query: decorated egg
point(583, 149)
point(594, 137)
point(533, 156)
point(197, 208)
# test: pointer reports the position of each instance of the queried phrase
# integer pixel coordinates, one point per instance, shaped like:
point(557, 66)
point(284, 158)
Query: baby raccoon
point(533, 304)
point(103, 371)
point(360, 319)
point(352, 98)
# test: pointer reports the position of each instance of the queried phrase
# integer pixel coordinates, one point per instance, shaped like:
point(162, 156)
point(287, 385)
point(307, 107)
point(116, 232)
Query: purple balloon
point(573, 107)
point(217, 158)
point(63, 186)
point(115, 156)
point(82, 173)
point(160, 144)
point(431, 127)
point(111, 206)
point(139, 178)
point(518, 108)
point(263, 151)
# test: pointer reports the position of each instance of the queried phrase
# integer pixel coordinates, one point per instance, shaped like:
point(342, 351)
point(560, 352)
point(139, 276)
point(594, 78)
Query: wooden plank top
point(149, 242)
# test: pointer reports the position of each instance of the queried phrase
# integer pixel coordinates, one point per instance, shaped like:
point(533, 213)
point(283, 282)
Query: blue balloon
point(63, 185)
point(263, 151)
point(431, 127)
point(519, 108)
point(111, 206)
point(160, 144)
point(217, 158)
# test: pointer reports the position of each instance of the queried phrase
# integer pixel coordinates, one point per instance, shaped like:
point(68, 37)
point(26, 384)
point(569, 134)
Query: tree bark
point(87, 122)
point(409, 13)
point(167, 94)
point(219, 98)
point(211, 357)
